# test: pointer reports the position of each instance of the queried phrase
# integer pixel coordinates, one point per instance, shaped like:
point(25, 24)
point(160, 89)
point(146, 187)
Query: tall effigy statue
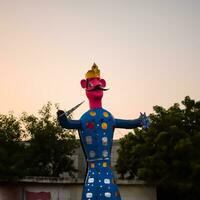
point(96, 128)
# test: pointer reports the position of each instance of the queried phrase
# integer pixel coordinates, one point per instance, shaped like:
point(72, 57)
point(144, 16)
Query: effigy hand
point(145, 121)
point(60, 113)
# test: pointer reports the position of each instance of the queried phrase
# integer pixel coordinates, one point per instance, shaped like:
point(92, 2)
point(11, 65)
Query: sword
point(67, 113)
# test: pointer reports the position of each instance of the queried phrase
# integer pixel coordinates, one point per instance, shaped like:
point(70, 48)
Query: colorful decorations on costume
point(92, 113)
point(105, 114)
point(104, 164)
point(96, 128)
point(92, 154)
point(88, 139)
point(104, 141)
point(104, 125)
point(92, 165)
point(90, 125)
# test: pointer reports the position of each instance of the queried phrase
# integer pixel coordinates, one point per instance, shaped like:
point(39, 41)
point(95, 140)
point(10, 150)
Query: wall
point(65, 189)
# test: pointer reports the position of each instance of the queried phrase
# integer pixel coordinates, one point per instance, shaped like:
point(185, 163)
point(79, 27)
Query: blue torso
point(97, 133)
point(96, 138)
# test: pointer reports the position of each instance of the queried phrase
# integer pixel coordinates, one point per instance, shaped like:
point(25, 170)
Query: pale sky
point(148, 51)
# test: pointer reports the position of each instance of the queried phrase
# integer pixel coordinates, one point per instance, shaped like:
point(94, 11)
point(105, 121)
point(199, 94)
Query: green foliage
point(47, 151)
point(51, 147)
point(168, 153)
point(11, 149)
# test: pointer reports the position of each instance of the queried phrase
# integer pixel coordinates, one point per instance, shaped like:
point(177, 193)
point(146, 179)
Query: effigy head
point(93, 84)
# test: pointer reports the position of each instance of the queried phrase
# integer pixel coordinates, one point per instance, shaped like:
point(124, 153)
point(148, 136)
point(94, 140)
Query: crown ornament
point(93, 73)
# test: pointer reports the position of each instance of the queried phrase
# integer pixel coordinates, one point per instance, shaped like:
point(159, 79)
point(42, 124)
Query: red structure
point(38, 195)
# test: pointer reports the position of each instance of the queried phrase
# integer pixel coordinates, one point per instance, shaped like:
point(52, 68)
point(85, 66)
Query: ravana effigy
point(96, 128)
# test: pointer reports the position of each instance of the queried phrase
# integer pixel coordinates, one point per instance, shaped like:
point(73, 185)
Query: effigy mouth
point(96, 88)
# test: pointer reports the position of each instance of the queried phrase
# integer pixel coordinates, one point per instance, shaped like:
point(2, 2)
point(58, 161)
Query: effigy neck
point(95, 104)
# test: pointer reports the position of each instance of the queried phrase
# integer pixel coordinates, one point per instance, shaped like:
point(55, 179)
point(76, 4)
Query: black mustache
point(97, 88)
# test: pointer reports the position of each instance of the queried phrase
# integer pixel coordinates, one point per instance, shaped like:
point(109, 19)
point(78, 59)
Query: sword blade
point(67, 113)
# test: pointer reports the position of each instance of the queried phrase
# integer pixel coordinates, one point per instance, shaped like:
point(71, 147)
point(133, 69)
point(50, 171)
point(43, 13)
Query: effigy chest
point(97, 133)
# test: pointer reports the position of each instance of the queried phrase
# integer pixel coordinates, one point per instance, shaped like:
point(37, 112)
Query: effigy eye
point(90, 85)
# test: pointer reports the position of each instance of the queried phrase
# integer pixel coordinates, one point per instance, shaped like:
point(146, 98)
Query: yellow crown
point(94, 72)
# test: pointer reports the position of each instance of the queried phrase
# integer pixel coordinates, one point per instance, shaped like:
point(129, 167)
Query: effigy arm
point(142, 121)
point(127, 124)
point(67, 123)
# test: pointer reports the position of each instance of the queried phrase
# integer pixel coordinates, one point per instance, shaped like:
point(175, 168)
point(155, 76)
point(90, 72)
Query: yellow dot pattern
point(92, 113)
point(92, 165)
point(105, 114)
point(104, 164)
point(104, 125)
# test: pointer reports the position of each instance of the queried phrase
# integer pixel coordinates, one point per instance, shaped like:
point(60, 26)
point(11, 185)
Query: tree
point(168, 153)
point(11, 148)
point(50, 147)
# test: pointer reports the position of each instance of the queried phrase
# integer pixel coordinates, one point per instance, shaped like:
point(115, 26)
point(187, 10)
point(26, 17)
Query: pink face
point(94, 88)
